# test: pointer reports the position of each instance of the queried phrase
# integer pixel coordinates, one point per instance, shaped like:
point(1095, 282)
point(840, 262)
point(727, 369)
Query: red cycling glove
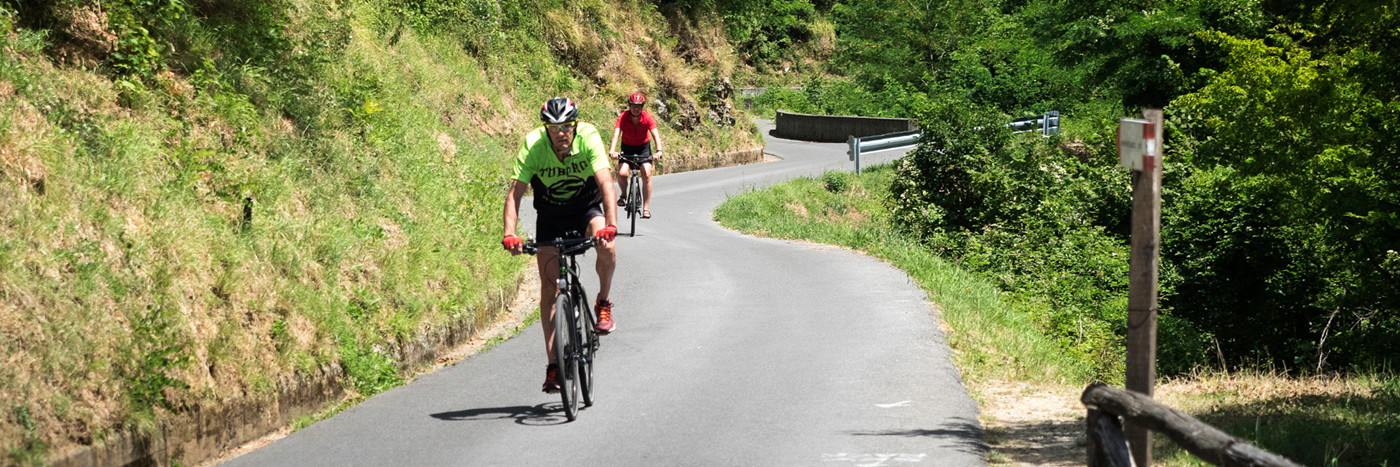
point(608, 233)
point(511, 242)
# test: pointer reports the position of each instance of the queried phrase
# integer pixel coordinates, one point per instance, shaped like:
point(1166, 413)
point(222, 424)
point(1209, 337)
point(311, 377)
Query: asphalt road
point(730, 350)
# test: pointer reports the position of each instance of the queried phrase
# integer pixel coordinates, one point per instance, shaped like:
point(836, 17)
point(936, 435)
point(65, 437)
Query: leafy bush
point(1284, 231)
point(157, 348)
point(779, 98)
point(371, 370)
point(1018, 209)
point(142, 27)
point(836, 181)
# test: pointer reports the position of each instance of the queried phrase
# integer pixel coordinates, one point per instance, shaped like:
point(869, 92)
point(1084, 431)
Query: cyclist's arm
point(656, 136)
point(612, 148)
point(605, 184)
point(511, 212)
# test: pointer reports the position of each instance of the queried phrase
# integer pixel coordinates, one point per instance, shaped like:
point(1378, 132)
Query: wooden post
point(1142, 285)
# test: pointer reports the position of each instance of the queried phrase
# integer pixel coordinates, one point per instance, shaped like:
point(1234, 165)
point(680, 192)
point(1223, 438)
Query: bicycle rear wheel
point(564, 354)
point(589, 340)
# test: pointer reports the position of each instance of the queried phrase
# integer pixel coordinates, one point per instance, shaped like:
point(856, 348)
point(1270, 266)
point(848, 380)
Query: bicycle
point(575, 340)
point(634, 190)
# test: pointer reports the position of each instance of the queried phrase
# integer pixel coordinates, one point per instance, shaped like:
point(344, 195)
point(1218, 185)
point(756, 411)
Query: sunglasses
point(559, 127)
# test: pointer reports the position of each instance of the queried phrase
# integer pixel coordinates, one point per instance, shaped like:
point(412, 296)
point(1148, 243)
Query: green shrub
point(1016, 208)
point(1277, 222)
point(369, 368)
point(156, 349)
point(836, 181)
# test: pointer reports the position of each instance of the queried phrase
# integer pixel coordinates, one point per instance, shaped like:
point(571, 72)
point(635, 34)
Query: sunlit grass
point(1313, 420)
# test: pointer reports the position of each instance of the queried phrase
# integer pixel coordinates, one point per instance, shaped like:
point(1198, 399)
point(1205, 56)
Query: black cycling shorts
point(554, 227)
point(643, 150)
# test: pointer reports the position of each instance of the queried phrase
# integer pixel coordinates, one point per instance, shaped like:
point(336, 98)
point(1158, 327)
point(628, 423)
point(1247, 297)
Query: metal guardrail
point(878, 142)
point(1048, 124)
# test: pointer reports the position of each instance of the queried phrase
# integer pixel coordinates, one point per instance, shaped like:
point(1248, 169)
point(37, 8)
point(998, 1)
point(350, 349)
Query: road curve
point(730, 350)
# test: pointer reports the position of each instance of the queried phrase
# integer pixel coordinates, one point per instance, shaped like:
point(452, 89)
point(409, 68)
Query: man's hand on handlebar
point(607, 233)
point(614, 154)
point(513, 244)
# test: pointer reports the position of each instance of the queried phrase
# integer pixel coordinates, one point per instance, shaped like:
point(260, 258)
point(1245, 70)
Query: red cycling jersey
point(635, 134)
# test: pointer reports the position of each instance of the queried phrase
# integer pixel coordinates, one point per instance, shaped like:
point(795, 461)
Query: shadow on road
point(551, 413)
point(1045, 443)
point(965, 433)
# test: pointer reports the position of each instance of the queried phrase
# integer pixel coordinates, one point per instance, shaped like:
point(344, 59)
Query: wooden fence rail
point(1108, 448)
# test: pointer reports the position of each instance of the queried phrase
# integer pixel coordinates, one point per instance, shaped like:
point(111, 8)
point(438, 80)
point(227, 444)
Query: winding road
point(730, 350)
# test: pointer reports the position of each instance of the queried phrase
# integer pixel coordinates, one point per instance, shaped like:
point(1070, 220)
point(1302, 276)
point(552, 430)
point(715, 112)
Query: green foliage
point(369, 369)
point(32, 449)
point(1286, 224)
point(768, 30)
point(482, 25)
point(836, 181)
point(156, 349)
point(1043, 222)
point(1019, 210)
point(835, 96)
point(764, 32)
point(139, 26)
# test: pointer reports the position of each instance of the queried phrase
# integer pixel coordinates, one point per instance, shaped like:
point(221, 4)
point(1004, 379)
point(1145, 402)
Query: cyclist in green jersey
point(566, 165)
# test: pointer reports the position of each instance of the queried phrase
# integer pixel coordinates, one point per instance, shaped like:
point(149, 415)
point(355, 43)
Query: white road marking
point(872, 460)
point(896, 404)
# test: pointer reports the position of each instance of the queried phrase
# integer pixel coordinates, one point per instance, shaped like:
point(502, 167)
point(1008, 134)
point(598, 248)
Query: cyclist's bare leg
point(607, 258)
point(623, 172)
point(548, 261)
point(646, 186)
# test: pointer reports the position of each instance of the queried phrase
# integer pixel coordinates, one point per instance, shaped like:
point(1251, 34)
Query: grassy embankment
point(275, 190)
point(1315, 421)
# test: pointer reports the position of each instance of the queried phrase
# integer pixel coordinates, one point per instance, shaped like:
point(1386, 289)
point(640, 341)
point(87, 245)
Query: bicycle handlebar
point(631, 159)
point(566, 246)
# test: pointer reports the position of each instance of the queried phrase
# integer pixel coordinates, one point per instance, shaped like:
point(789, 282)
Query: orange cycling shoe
point(605, 321)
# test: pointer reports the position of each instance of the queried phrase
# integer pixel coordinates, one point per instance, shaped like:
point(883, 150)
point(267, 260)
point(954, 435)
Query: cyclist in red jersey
point(636, 130)
point(563, 162)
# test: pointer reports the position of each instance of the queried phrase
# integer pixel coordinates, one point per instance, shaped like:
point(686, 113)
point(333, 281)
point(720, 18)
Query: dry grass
point(1031, 423)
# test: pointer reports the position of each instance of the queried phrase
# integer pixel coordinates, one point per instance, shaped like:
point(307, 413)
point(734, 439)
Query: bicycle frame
point(575, 341)
point(634, 191)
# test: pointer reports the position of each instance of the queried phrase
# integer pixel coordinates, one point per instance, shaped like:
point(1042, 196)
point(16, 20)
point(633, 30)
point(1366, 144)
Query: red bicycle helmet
point(636, 99)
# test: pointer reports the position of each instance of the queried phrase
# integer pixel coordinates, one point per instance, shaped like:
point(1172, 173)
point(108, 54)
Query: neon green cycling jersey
point(568, 186)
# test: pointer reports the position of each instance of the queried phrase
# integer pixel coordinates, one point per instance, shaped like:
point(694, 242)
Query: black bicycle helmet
point(558, 110)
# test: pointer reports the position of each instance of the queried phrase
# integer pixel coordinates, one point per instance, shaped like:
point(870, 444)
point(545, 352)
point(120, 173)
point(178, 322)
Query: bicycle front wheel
point(588, 340)
point(565, 355)
point(634, 202)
